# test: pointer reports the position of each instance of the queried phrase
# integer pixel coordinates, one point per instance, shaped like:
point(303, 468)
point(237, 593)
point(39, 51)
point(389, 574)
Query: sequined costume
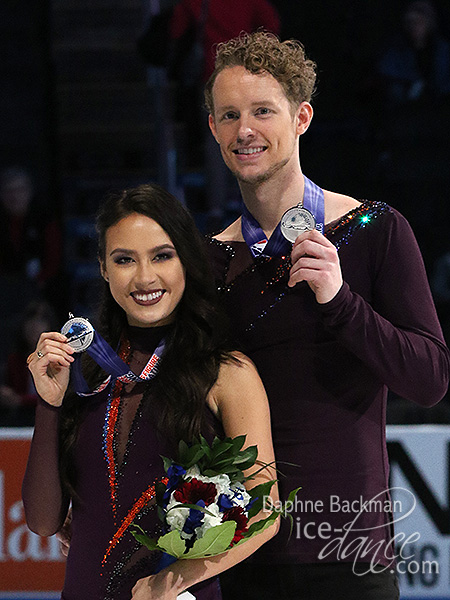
point(117, 459)
point(326, 369)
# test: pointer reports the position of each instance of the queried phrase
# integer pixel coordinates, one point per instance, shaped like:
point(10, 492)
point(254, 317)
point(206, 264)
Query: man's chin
point(258, 178)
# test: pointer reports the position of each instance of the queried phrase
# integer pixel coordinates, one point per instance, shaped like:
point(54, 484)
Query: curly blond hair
point(264, 52)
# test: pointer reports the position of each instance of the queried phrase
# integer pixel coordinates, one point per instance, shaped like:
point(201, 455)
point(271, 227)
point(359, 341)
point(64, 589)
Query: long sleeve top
point(116, 462)
point(327, 369)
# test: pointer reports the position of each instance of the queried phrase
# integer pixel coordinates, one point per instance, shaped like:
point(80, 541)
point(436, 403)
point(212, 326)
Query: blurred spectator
point(197, 26)
point(416, 66)
point(153, 45)
point(410, 115)
point(217, 21)
point(17, 395)
point(30, 240)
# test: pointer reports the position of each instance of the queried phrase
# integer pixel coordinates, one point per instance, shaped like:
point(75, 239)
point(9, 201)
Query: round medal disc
point(295, 221)
point(79, 333)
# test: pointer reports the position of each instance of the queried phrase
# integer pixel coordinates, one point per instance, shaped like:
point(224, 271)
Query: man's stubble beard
point(262, 177)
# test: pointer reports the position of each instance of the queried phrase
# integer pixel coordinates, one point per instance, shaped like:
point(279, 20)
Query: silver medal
point(79, 333)
point(295, 221)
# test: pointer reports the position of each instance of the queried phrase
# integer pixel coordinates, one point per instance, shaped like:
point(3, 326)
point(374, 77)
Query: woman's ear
point(103, 270)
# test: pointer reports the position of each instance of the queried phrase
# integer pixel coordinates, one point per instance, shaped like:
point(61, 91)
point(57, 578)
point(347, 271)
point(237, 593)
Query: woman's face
point(144, 272)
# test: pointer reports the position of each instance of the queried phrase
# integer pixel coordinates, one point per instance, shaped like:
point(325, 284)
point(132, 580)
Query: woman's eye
point(123, 260)
point(163, 256)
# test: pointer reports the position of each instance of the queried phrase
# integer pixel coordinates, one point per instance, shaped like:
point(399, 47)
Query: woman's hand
point(64, 535)
point(316, 261)
point(50, 367)
point(156, 587)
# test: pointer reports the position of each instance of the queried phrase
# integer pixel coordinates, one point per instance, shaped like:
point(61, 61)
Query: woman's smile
point(144, 272)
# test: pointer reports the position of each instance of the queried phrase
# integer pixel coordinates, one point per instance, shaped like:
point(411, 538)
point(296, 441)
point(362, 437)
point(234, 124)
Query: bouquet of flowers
point(203, 503)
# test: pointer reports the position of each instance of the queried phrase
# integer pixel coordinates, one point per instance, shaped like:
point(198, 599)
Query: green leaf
point(167, 462)
point(215, 541)
point(249, 454)
point(183, 449)
point(172, 543)
point(257, 528)
point(140, 535)
point(259, 492)
point(237, 442)
point(193, 456)
point(262, 468)
point(220, 449)
point(160, 489)
point(290, 499)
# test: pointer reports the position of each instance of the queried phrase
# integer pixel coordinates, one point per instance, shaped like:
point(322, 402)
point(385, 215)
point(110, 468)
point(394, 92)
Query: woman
point(106, 448)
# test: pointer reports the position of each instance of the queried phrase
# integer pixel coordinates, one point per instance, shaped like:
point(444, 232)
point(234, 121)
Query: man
point(331, 322)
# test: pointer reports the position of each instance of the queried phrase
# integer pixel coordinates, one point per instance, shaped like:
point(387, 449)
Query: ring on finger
point(39, 354)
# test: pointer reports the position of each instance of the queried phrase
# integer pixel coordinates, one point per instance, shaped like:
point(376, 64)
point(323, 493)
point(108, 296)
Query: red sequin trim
point(145, 498)
point(111, 422)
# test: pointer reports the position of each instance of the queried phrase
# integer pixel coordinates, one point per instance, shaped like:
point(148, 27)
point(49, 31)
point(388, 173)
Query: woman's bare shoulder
point(237, 384)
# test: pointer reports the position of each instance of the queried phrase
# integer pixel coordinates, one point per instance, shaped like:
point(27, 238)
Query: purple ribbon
point(278, 245)
point(110, 362)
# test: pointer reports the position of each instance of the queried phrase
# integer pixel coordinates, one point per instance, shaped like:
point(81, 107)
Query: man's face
point(255, 125)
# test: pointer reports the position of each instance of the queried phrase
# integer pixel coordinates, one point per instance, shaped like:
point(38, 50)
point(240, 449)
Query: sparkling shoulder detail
point(356, 219)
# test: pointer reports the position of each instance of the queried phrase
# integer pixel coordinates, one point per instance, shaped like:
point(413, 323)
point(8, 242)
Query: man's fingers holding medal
point(316, 261)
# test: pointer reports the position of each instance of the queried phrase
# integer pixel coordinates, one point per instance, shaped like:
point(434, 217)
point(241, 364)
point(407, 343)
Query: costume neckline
point(342, 220)
point(146, 339)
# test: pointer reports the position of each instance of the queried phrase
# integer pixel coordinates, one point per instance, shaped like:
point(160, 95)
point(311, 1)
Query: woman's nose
point(146, 274)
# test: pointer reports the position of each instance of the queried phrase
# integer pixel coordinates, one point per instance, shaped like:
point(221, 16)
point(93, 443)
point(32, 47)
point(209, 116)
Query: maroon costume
point(327, 368)
point(99, 532)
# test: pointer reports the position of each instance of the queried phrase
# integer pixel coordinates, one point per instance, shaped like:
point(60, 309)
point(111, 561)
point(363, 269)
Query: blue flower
point(251, 503)
point(175, 473)
point(224, 502)
point(194, 519)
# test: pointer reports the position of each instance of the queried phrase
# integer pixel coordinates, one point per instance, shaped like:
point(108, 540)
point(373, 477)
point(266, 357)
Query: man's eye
point(263, 111)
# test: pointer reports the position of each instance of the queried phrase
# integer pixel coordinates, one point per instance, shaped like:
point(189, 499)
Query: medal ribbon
point(110, 362)
point(278, 245)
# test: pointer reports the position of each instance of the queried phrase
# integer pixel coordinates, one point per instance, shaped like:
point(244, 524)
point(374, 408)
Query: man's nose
point(245, 130)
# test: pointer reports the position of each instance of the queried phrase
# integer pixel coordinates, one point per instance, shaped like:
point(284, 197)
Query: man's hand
point(316, 261)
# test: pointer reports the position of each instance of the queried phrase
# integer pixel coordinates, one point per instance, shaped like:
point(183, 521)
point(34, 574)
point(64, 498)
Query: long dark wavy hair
point(195, 346)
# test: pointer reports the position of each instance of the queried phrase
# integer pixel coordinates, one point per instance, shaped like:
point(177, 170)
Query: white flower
point(192, 472)
point(209, 520)
point(222, 482)
point(239, 495)
point(176, 518)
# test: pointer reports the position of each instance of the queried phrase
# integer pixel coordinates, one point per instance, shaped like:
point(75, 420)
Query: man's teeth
point(250, 150)
point(147, 297)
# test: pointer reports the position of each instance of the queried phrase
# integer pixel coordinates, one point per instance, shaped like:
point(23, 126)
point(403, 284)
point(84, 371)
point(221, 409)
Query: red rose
point(236, 514)
point(193, 491)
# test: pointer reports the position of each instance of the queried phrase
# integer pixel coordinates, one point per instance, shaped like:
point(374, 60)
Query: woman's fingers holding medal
point(50, 366)
point(316, 261)
point(53, 347)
